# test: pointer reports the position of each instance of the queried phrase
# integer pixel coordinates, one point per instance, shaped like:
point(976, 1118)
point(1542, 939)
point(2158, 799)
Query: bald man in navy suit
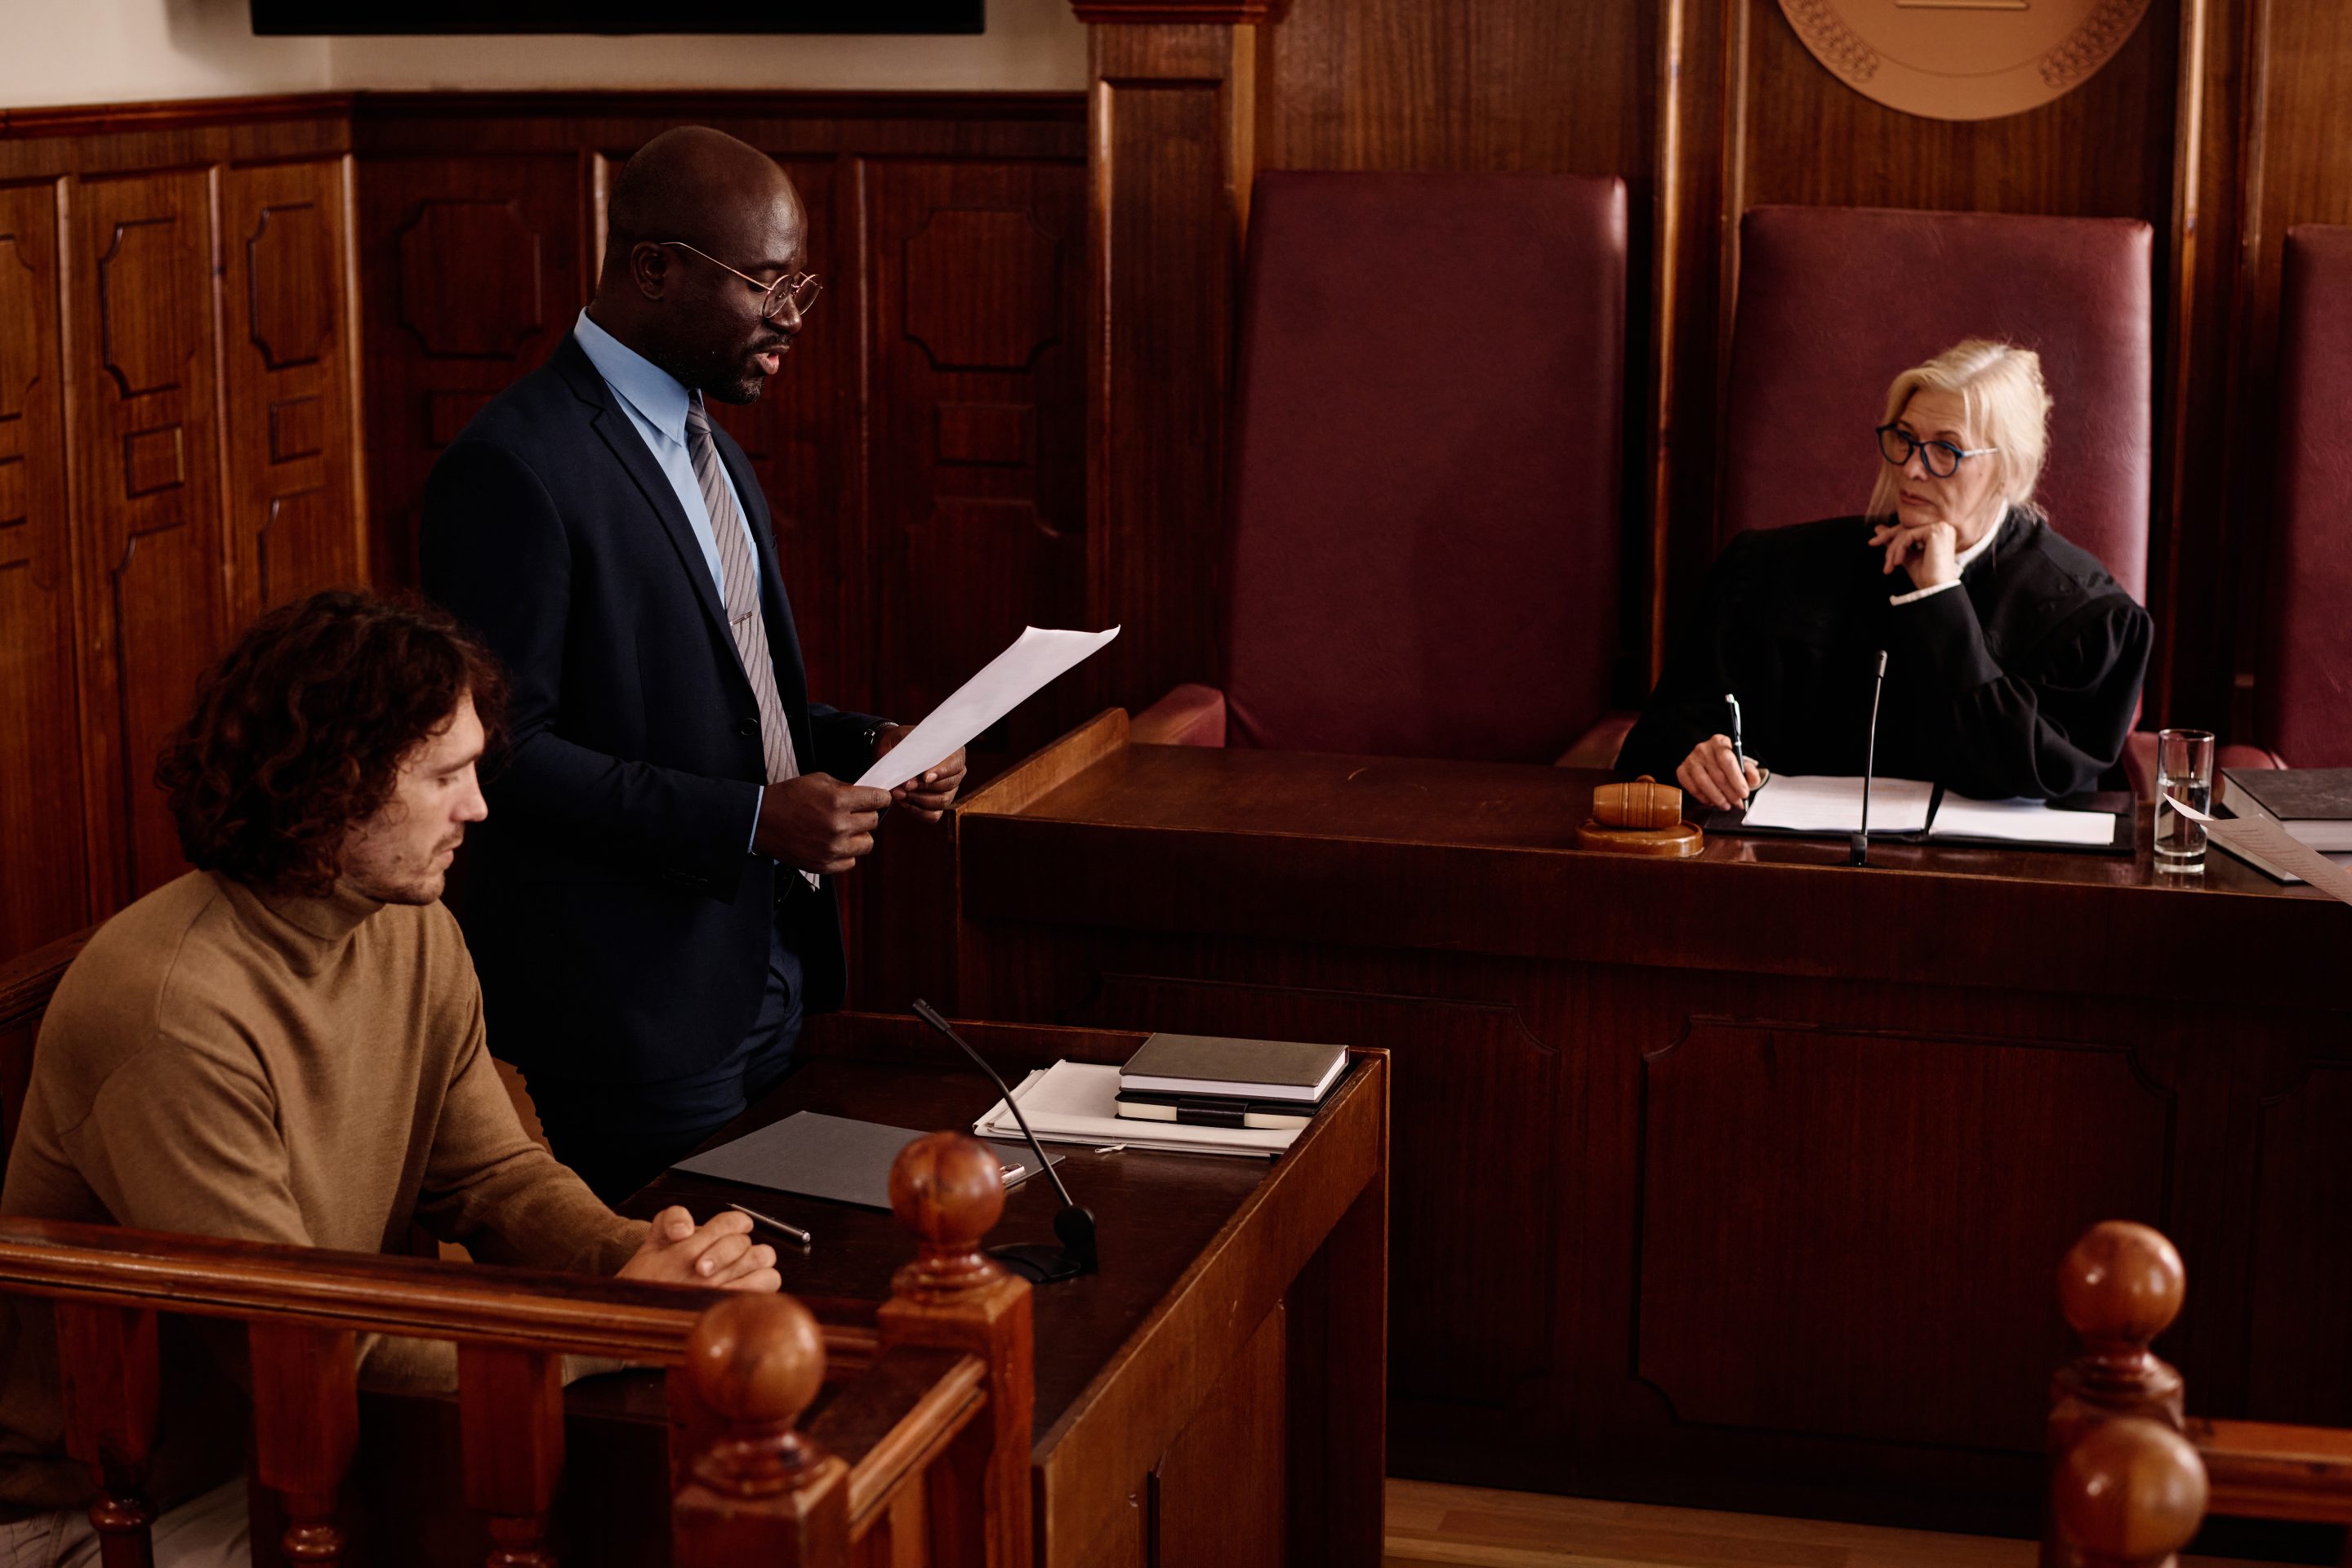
point(650, 904)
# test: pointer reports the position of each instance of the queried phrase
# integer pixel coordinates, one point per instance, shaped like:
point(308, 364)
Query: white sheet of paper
point(2268, 843)
point(1007, 681)
point(1819, 802)
point(2022, 822)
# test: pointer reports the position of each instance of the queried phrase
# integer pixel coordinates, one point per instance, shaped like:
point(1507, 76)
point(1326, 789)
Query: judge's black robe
point(2023, 680)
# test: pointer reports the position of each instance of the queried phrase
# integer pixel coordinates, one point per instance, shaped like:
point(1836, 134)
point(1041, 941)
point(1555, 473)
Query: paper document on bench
point(2264, 845)
point(1010, 679)
point(2020, 822)
point(1813, 802)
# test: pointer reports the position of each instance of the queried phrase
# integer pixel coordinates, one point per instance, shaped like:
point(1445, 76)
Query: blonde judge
point(2014, 659)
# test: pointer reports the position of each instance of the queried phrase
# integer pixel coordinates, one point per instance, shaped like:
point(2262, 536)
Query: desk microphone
point(1035, 1262)
point(1861, 841)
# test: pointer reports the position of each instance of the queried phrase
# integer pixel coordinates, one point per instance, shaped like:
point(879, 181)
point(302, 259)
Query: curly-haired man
point(286, 1044)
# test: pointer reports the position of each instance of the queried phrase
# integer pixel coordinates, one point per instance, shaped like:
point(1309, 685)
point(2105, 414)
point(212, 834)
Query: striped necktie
point(739, 592)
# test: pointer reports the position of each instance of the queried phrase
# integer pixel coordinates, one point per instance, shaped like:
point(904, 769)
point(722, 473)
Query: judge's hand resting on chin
point(1931, 550)
point(718, 1254)
point(1714, 773)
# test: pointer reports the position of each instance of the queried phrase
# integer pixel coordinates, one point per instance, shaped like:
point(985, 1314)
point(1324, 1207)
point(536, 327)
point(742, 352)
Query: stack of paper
point(2022, 822)
point(1812, 803)
point(1077, 1102)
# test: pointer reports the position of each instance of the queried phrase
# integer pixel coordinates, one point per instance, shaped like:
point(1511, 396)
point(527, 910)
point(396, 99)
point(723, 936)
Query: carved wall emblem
point(1963, 60)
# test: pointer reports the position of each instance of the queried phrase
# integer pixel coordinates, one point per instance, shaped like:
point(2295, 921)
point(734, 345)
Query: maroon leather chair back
point(1834, 302)
point(2307, 694)
point(1425, 464)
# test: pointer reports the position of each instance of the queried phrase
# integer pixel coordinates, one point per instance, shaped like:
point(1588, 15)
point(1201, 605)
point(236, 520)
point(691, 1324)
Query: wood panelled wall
point(2219, 123)
point(176, 401)
point(215, 318)
point(185, 422)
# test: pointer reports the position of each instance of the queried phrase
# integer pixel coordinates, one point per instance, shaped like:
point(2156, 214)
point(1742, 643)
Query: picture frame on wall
point(390, 17)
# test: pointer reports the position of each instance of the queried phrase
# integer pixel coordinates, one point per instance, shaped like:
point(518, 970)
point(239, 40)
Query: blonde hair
point(2000, 386)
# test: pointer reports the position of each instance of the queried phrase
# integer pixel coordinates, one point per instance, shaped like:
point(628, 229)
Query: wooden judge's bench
point(1734, 1180)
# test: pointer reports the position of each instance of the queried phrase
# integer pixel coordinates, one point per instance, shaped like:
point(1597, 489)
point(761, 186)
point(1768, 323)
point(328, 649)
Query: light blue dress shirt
point(656, 402)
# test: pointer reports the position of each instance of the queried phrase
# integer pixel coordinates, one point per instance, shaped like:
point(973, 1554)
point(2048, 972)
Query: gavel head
point(948, 1189)
point(757, 1361)
point(2132, 1490)
point(1645, 803)
point(2121, 1285)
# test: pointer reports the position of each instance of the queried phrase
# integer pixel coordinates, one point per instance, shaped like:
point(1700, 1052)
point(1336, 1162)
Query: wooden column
point(306, 1427)
point(1172, 86)
point(2130, 1495)
point(511, 1418)
point(947, 1189)
point(107, 1362)
point(756, 1490)
point(2120, 1285)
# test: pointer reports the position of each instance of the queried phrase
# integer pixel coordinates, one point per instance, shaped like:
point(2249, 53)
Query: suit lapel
point(628, 448)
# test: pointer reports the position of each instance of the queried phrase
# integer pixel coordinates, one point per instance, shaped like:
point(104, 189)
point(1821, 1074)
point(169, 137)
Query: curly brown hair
point(300, 729)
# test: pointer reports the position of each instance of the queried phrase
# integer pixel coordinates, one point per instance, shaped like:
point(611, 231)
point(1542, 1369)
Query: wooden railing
point(2132, 1475)
point(919, 1453)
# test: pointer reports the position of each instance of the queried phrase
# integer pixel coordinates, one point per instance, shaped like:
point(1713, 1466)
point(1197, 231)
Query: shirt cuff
point(808, 877)
point(1917, 594)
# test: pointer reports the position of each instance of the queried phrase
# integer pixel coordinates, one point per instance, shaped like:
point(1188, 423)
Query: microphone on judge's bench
point(1035, 1262)
point(1861, 841)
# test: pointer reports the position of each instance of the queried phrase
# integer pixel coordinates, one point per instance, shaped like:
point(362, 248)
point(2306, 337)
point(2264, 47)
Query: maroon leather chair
point(1424, 484)
point(1835, 301)
point(2306, 698)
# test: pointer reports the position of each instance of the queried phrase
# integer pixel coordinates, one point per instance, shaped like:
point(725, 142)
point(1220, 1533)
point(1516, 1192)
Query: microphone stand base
point(1038, 1263)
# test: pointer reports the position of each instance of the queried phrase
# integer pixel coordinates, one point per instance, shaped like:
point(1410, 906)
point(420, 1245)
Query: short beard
point(741, 394)
point(426, 889)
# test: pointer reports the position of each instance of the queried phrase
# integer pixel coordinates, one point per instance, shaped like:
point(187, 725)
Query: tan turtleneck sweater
point(310, 1071)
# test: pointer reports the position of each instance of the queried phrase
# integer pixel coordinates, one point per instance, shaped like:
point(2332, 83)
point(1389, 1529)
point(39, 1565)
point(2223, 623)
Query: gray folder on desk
point(831, 1157)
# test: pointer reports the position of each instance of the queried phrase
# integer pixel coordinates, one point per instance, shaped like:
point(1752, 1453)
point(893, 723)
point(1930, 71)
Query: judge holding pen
point(2016, 659)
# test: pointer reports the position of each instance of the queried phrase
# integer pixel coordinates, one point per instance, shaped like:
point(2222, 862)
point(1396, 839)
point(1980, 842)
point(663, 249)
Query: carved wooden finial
point(947, 1189)
point(2120, 1287)
point(2129, 1495)
point(757, 1362)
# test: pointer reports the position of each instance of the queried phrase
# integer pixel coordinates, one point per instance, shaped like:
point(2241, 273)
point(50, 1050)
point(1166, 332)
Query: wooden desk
point(1215, 1394)
point(1738, 1180)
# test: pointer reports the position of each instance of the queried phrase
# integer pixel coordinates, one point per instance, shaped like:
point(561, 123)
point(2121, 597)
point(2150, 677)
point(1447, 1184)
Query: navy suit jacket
point(619, 922)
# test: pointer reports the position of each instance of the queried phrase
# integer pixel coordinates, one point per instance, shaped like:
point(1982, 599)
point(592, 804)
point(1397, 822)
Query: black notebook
point(1237, 1069)
point(2313, 804)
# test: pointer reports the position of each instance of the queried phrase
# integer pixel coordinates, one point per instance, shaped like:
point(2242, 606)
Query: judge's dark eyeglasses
point(797, 290)
point(1942, 458)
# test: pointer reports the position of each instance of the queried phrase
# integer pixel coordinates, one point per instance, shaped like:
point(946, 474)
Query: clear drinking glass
point(2184, 768)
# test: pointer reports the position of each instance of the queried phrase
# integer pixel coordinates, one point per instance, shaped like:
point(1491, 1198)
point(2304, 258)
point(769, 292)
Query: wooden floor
point(1428, 1523)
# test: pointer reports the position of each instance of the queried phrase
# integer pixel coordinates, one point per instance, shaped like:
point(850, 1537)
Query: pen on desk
point(1738, 747)
point(796, 1232)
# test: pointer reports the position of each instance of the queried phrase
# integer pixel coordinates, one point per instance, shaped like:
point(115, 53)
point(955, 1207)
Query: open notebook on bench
point(1913, 811)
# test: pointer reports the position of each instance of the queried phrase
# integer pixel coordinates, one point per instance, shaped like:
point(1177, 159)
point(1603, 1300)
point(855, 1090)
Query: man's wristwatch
point(872, 734)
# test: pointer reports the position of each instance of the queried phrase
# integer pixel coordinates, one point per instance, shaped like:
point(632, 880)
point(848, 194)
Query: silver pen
point(796, 1232)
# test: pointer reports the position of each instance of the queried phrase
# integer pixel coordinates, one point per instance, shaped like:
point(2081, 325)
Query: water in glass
point(2181, 842)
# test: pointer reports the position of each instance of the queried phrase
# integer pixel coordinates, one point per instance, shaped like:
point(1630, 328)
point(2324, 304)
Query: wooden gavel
point(1645, 803)
point(1645, 817)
